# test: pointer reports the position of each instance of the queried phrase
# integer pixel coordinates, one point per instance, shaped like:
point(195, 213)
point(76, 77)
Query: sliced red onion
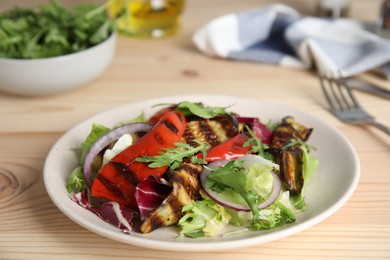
point(105, 140)
point(248, 160)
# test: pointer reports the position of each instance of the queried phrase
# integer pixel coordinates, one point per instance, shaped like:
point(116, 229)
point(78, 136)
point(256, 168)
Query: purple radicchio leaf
point(150, 194)
point(260, 129)
point(111, 212)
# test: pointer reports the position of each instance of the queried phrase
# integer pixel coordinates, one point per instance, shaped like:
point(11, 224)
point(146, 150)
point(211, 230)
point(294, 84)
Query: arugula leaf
point(190, 108)
point(257, 146)
point(173, 157)
point(301, 143)
point(271, 126)
point(50, 30)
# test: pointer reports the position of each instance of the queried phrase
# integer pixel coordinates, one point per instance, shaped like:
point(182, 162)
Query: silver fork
point(344, 105)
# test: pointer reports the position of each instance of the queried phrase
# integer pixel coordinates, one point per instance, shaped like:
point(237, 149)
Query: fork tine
point(333, 93)
point(336, 92)
point(345, 94)
point(326, 94)
point(339, 96)
point(351, 96)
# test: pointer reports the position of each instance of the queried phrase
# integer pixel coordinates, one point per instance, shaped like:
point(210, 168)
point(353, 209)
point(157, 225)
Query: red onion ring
point(276, 187)
point(106, 139)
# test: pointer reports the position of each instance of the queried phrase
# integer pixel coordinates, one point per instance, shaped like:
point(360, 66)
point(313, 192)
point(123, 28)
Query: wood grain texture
point(31, 227)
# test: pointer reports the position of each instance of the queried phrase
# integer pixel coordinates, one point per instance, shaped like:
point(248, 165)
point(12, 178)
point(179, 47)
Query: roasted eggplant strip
point(287, 130)
point(290, 158)
point(301, 132)
point(187, 175)
point(212, 131)
point(185, 183)
point(291, 167)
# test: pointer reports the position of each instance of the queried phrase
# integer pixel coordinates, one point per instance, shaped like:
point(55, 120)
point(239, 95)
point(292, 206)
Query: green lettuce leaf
point(253, 186)
point(203, 218)
point(260, 179)
point(278, 214)
point(233, 175)
point(96, 132)
point(76, 181)
point(310, 164)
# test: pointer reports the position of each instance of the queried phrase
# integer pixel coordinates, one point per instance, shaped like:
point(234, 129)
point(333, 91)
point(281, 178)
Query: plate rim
point(210, 244)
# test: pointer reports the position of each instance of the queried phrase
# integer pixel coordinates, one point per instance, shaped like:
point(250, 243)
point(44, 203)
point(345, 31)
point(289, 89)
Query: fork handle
point(380, 127)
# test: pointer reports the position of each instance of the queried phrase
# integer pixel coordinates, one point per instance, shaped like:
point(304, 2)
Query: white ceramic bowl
point(37, 77)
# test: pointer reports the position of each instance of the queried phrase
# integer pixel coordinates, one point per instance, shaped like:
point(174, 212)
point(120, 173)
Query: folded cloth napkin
point(280, 35)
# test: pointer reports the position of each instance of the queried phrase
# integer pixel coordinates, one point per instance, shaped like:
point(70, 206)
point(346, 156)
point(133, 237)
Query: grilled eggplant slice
point(301, 132)
point(290, 159)
point(291, 168)
point(213, 131)
point(287, 130)
point(185, 182)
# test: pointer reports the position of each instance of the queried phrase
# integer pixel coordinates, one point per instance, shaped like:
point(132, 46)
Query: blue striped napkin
point(279, 35)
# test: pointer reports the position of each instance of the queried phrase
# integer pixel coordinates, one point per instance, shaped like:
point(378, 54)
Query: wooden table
point(31, 227)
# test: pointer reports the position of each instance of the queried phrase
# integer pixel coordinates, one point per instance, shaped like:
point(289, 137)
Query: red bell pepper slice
point(160, 113)
point(231, 149)
point(117, 179)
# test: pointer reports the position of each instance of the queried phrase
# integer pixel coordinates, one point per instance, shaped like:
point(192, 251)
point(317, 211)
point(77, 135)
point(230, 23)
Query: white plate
point(333, 184)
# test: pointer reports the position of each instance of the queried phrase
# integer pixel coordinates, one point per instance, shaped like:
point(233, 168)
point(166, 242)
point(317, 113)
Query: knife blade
point(367, 87)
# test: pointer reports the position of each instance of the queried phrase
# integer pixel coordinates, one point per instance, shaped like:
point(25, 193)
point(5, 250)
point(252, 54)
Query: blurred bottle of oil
point(384, 21)
point(147, 18)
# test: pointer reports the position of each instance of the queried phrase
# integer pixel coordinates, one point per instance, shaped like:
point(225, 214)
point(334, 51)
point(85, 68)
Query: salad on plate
point(198, 168)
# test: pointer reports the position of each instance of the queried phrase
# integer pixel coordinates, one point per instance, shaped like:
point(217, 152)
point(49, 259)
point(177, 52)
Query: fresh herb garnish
point(257, 146)
point(271, 126)
point(190, 108)
point(173, 157)
point(294, 142)
point(51, 30)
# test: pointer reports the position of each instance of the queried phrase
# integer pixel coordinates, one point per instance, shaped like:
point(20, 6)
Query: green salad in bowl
point(55, 48)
